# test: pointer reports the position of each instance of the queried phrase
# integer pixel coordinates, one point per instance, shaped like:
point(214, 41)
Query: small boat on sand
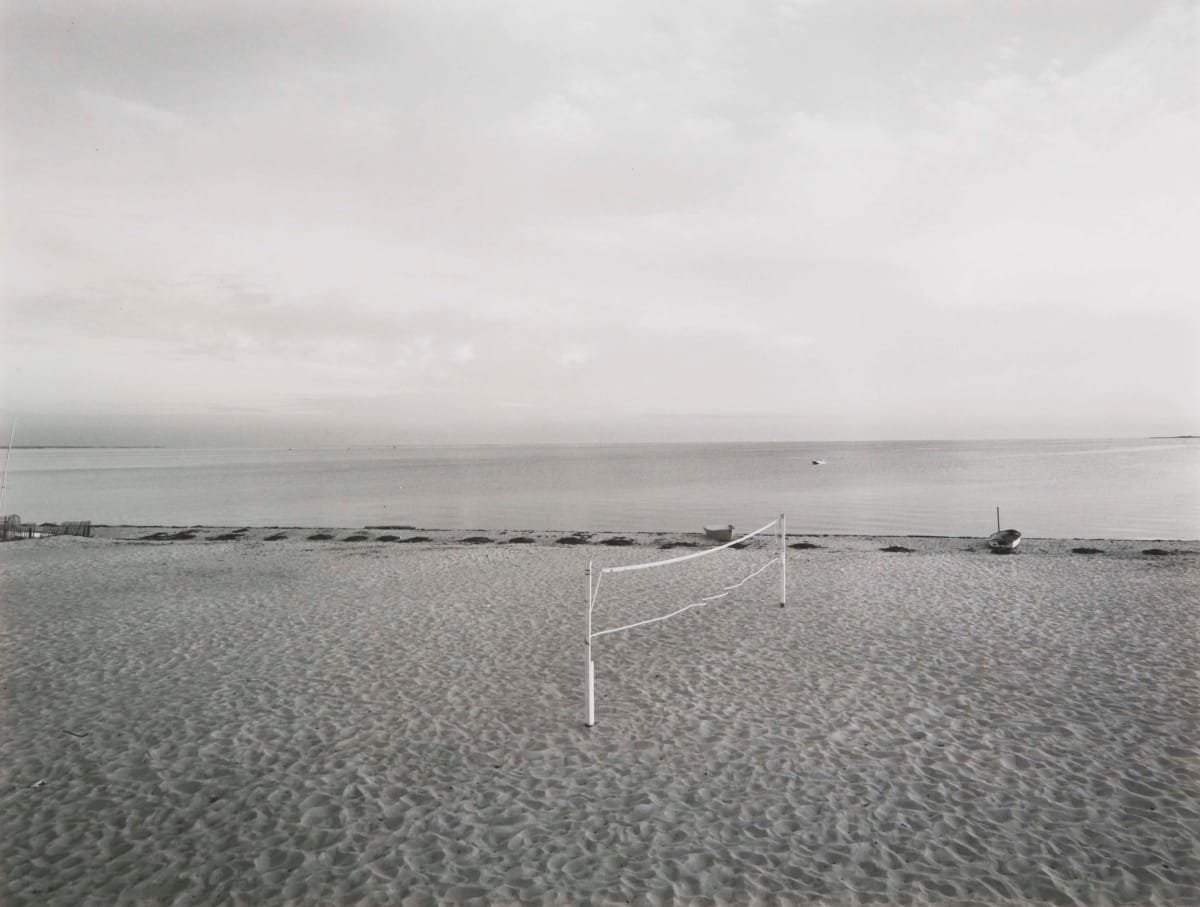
point(1004, 540)
point(719, 532)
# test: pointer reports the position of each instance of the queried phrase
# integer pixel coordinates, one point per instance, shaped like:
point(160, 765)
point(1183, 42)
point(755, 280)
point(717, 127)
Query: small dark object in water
point(1086, 551)
point(896, 548)
point(476, 540)
point(278, 536)
point(414, 538)
point(320, 537)
point(619, 541)
point(805, 545)
point(1156, 552)
point(225, 537)
point(357, 537)
point(522, 540)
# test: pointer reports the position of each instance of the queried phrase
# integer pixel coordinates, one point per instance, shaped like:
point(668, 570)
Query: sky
point(257, 223)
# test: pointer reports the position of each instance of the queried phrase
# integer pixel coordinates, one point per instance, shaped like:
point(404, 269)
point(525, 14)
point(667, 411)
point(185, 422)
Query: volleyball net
point(637, 595)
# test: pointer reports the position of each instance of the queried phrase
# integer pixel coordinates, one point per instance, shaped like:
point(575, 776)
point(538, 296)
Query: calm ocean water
point(1140, 489)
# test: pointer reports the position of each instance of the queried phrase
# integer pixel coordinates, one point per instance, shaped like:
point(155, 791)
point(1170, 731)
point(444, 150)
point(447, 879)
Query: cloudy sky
point(252, 222)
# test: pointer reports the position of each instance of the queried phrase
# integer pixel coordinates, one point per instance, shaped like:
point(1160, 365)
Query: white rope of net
point(594, 590)
point(675, 560)
point(700, 604)
point(688, 557)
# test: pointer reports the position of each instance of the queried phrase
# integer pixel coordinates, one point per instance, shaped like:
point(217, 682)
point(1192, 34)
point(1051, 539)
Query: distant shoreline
point(408, 445)
point(89, 447)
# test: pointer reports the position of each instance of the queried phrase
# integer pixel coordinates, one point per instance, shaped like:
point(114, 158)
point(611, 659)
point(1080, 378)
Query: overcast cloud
point(318, 222)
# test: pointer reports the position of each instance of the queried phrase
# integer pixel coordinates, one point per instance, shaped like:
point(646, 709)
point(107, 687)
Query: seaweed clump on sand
point(804, 546)
point(1087, 551)
point(896, 549)
point(320, 537)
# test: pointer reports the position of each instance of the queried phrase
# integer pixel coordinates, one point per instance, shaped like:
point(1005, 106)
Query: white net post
point(782, 560)
point(591, 668)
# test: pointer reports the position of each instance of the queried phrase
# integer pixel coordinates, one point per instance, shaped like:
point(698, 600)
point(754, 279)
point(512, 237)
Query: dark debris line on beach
point(182, 536)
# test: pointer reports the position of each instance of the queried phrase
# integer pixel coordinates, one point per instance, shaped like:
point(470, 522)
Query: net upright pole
point(590, 682)
point(8, 456)
point(782, 560)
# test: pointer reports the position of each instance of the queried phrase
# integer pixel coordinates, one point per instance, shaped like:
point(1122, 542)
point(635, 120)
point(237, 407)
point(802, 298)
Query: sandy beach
point(265, 716)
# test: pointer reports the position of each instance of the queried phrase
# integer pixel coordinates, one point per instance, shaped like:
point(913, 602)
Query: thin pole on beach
point(782, 560)
point(997, 519)
point(7, 457)
point(591, 668)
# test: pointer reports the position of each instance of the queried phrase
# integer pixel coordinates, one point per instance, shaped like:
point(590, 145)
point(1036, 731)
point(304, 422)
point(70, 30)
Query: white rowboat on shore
point(1004, 540)
point(720, 532)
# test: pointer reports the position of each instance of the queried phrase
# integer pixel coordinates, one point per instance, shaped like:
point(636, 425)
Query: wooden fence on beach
point(11, 528)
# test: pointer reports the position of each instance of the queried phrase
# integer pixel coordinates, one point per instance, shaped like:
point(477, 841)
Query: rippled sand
point(267, 722)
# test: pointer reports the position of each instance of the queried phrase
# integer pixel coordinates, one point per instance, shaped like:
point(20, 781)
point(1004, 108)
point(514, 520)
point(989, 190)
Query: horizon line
point(626, 443)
